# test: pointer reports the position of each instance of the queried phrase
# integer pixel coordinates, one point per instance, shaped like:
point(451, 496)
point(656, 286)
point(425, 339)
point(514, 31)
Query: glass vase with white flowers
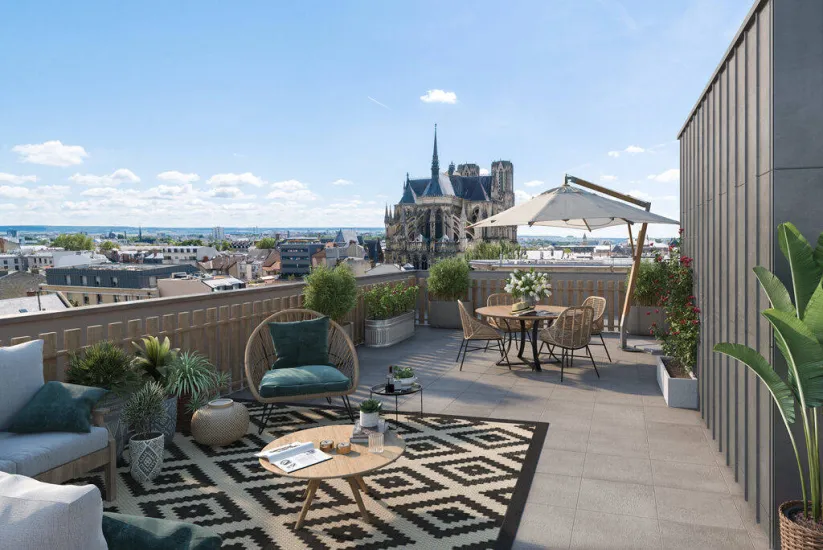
point(529, 286)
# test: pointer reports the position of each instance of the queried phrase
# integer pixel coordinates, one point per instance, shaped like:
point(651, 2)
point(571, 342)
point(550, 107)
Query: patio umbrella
point(575, 208)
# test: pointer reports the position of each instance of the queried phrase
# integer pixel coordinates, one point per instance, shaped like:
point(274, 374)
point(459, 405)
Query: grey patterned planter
point(169, 425)
point(388, 332)
point(146, 452)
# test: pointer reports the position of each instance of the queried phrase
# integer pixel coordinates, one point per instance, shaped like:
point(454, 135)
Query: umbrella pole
point(627, 305)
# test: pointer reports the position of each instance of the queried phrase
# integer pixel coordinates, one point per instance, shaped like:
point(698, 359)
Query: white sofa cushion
point(37, 453)
point(42, 515)
point(21, 370)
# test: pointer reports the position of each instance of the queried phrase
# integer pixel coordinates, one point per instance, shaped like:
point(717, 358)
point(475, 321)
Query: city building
point(27, 304)
point(19, 283)
point(74, 258)
point(218, 234)
point(9, 244)
point(188, 254)
point(183, 286)
point(296, 256)
point(99, 284)
point(12, 262)
point(430, 220)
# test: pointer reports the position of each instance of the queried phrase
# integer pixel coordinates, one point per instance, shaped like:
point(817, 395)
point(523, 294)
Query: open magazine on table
point(294, 456)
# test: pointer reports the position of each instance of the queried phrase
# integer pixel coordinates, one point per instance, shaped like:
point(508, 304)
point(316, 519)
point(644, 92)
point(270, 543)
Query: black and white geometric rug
point(462, 483)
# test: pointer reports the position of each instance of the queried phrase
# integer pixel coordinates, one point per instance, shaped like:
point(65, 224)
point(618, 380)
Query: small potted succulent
point(404, 376)
point(144, 409)
point(154, 359)
point(370, 413)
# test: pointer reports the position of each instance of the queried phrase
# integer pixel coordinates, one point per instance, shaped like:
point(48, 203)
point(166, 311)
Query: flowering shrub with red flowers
point(682, 313)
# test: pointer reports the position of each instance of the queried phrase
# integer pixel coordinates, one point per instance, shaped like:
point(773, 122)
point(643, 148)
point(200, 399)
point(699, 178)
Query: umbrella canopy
point(574, 208)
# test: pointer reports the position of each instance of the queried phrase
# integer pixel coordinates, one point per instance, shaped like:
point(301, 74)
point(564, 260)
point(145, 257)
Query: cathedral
point(430, 220)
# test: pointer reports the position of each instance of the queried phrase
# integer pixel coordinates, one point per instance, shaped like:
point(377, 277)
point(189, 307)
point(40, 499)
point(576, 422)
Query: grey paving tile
point(678, 451)
point(477, 399)
point(544, 526)
point(673, 432)
point(555, 490)
point(674, 416)
point(631, 443)
point(457, 408)
point(567, 422)
point(618, 468)
point(608, 415)
point(596, 531)
point(632, 499)
point(577, 394)
point(682, 536)
point(697, 507)
point(617, 397)
point(567, 463)
point(566, 440)
point(685, 475)
point(517, 413)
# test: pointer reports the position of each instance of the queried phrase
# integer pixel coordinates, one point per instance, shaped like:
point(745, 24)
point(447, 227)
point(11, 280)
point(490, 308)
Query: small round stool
point(220, 423)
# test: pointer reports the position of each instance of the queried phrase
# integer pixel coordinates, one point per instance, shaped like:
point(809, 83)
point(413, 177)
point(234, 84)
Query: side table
point(380, 389)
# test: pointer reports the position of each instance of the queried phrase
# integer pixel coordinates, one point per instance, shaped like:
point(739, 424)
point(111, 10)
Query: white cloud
point(228, 193)
point(178, 177)
point(342, 182)
point(51, 153)
point(230, 180)
point(669, 176)
point(642, 195)
point(17, 180)
point(8, 206)
point(521, 196)
point(631, 150)
point(291, 190)
point(439, 96)
point(534, 183)
point(607, 177)
point(33, 193)
point(484, 172)
point(117, 177)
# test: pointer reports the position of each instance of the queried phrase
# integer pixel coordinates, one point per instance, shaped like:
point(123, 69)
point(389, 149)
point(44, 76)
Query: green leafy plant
point(486, 250)
point(403, 372)
point(370, 406)
point(103, 365)
point(145, 408)
point(222, 381)
point(266, 243)
point(449, 279)
point(154, 357)
point(73, 241)
point(796, 318)
point(192, 375)
point(332, 292)
point(650, 284)
point(387, 300)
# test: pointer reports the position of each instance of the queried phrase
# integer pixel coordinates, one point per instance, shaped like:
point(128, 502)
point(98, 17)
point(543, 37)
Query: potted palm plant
point(142, 412)
point(190, 375)
point(389, 313)
point(106, 365)
point(154, 358)
point(332, 292)
point(370, 413)
point(796, 318)
point(448, 282)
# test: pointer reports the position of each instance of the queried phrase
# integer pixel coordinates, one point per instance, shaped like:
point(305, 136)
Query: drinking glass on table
point(376, 443)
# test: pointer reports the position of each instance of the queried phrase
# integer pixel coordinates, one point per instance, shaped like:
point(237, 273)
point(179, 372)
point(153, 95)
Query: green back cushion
point(124, 532)
point(57, 407)
point(300, 343)
point(305, 380)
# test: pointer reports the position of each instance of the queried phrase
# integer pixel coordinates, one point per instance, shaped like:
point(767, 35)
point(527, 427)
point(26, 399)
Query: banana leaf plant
point(796, 318)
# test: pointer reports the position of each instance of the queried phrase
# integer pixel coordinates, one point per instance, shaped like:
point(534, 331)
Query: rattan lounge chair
point(260, 356)
point(598, 304)
point(475, 330)
point(511, 329)
point(571, 331)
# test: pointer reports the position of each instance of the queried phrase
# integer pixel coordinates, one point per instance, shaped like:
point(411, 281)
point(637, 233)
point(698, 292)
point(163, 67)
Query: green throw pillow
point(300, 343)
point(58, 407)
point(124, 532)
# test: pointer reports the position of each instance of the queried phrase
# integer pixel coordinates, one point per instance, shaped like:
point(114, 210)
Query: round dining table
point(536, 316)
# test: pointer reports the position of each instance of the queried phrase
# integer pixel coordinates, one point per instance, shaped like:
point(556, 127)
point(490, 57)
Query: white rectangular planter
point(387, 332)
point(679, 393)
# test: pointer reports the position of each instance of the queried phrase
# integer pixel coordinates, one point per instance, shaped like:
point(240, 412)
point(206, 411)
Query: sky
point(307, 114)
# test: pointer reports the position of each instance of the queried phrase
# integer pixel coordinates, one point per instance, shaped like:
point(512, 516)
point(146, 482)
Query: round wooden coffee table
point(350, 467)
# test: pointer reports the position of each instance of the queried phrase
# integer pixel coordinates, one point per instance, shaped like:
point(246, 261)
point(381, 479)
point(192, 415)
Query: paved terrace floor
point(618, 468)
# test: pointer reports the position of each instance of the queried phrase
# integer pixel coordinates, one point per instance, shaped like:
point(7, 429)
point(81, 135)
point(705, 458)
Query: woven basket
point(220, 423)
point(794, 536)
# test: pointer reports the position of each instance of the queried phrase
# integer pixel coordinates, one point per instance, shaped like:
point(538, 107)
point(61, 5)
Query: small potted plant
point(142, 412)
point(448, 282)
point(332, 292)
point(529, 286)
point(154, 359)
point(189, 376)
point(389, 313)
point(370, 413)
point(404, 376)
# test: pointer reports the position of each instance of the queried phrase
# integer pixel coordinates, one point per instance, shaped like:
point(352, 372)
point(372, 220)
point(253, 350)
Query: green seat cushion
point(306, 380)
point(124, 532)
point(300, 343)
point(57, 407)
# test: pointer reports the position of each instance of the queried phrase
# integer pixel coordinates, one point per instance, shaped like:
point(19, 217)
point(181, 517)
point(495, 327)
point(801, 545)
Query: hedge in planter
point(389, 313)
point(796, 317)
point(332, 292)
point(448, 282)
point(647, 300)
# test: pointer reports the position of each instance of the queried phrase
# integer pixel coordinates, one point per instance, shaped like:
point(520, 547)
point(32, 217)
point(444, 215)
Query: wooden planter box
point(641, 318)
point(446, 314)
point(679, 393)
point(388, 332)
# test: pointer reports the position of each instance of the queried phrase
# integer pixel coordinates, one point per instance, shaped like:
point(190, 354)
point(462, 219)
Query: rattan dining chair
point(511, 329)
point(475, 330)
point(261, 355)
point(571, 331)
point(598, 304)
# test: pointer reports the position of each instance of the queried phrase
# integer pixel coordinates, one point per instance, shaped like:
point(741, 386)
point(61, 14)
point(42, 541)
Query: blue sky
point(310, 114)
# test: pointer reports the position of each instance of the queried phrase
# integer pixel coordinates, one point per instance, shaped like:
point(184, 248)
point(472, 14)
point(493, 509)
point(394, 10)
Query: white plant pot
point(369, 420)
point(146, 456)
point(405, 382)
point(679, 393)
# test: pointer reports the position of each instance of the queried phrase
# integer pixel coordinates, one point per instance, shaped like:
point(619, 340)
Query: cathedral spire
point(435, 161)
